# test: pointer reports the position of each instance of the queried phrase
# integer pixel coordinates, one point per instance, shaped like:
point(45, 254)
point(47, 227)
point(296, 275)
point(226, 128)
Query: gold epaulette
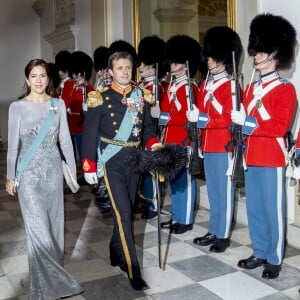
point(148, 96)
point(94, 99)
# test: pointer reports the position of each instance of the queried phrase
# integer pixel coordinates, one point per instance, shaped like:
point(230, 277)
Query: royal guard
point(217, 99)
point(183, 54)
point(75, 94)
point(55, 79)
point(100, 65)
point(151, 55)
point(62, 62)
point(269, 109)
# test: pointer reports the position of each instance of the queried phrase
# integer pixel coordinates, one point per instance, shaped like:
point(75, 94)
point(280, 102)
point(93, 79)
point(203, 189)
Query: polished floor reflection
point(188, 271)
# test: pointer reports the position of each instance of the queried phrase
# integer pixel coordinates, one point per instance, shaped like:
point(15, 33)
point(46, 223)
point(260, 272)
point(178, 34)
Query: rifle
point(237, 140)
point(193, 135)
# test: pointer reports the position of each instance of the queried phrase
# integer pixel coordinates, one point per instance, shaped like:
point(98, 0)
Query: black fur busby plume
point(151, 50)
point(219, 42)
point(123, 46)
point(62, 60)
point(81, 63)
point(181, 48)
point(100, 56)
point(168, 161)
point(269, 33)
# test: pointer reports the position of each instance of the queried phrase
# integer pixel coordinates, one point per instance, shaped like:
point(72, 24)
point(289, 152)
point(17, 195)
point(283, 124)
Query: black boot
point(139, 284)
point(219, 245)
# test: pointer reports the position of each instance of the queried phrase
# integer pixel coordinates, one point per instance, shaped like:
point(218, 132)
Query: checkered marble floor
point(188, 271)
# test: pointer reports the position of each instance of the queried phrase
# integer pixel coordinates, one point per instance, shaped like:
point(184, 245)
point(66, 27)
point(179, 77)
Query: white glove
point(297, 172)
point(238, 117)
point(69, 110)
point(84, 106)
point(91, 178)
point(193, 114)
point(155, 110)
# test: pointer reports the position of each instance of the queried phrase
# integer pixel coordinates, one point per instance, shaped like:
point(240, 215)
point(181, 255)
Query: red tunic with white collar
point(176, 103)
point(73, 95)
point(216, 102)
point(271, 102)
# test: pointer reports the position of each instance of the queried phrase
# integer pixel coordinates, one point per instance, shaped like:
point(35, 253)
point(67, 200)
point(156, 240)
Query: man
point(74, 95)
point(100, 56)
point(120, 117)
point(176, 101)
point(62, 62)
point(270, 103)
point(151, 51)
point(215, 105)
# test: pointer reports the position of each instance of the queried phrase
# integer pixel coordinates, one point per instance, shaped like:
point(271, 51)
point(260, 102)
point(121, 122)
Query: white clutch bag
point(70, 180)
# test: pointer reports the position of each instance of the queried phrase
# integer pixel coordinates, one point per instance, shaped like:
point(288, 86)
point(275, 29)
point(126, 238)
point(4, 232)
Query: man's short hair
point(118, 55)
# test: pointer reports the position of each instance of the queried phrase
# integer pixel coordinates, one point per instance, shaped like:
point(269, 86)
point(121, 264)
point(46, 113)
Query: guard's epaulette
point(94, 99)
point(148, 96)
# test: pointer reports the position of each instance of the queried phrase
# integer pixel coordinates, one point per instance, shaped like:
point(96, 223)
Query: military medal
point(258, 103)
point(124, 100)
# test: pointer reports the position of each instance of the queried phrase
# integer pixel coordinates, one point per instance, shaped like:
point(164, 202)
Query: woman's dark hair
point(34, 63)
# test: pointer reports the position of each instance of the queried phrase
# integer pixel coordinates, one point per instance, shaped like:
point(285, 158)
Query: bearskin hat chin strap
point(269, 58)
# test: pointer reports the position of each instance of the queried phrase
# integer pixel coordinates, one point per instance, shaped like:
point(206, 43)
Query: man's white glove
point(155, 110)
point(91, 178)
point(69, 110)
point(297, 172)
point(84, 106)
point(238, 116)
point(193, 114)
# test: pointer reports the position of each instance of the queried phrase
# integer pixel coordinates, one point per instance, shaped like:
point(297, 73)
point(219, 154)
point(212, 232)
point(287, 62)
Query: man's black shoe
point(205, 240)
point(139, 284)
point(219, 245)
point(166, 225)
point(251, 262)
point(148, 214)
point(271, 271)
point(178, 228)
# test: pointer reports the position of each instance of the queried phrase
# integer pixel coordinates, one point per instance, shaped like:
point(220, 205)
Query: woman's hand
point(10, 189)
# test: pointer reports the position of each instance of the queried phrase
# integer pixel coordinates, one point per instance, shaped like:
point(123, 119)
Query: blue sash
point(36, 142)
point(122, 135)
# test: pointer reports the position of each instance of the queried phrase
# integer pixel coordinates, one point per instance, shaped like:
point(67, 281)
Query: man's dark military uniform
point(103, 119)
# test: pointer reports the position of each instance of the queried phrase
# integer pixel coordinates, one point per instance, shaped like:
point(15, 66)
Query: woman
point(40, 189)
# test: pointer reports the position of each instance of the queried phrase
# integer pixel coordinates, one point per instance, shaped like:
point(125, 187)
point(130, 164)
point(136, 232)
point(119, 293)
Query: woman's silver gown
point(41, 195)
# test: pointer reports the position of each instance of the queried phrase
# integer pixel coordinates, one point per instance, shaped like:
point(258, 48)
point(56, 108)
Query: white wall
point(20, 42)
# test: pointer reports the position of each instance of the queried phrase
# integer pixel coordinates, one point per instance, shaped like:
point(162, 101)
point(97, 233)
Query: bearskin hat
point(62, 60)
point(54, 74)
point(219, 43)
point(100, 58)
point(182, 48)
point(123, 46)
point(81, 63)
point(151, 50)
point(270, 33)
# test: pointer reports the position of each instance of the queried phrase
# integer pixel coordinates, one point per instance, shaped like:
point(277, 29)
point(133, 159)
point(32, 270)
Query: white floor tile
point(237, 286)
point(15, 265)
point(164, 280)
point(7, 290)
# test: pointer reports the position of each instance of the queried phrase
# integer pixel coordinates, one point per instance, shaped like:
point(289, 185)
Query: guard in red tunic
point(74, 94)
point(270, 103)
point(174, 105)
point(215, 105)
point(151, 55)
point(62, 62)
